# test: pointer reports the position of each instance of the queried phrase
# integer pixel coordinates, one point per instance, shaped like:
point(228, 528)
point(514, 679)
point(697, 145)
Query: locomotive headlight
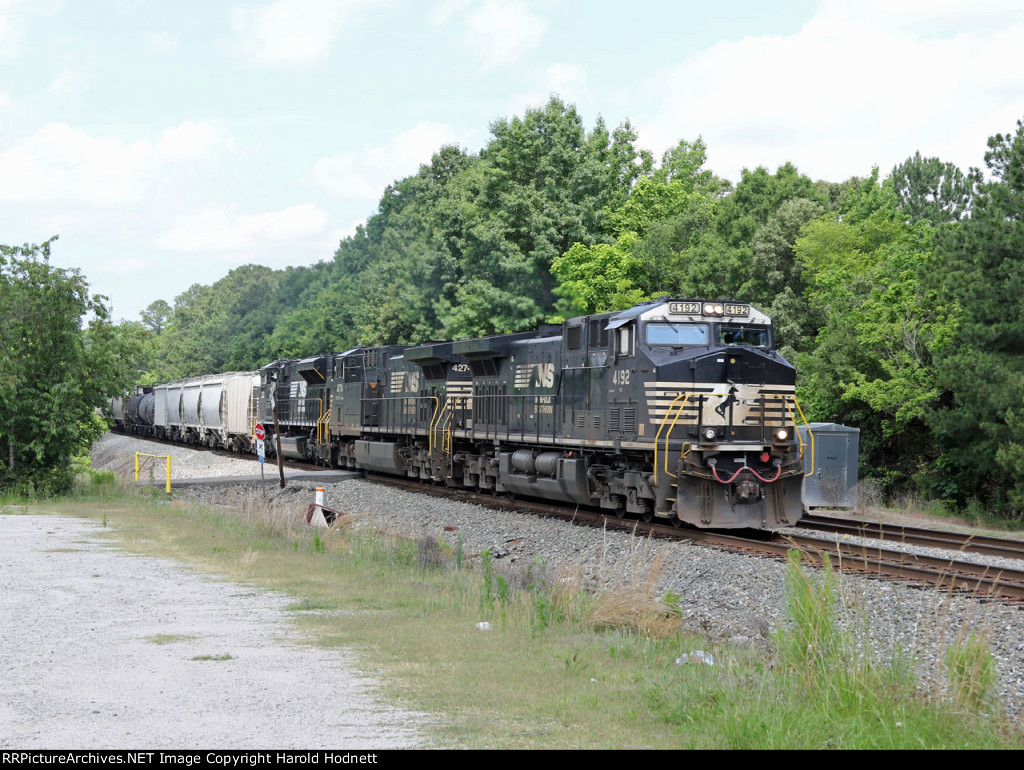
point(711, 308)
point(781, 434)
point(709, 434)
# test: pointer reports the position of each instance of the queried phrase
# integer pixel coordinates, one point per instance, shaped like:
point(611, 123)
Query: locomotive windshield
point(750, 336)
point(676, 334)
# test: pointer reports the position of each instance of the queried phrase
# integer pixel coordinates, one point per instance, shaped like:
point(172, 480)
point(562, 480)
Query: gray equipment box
point(832, 479)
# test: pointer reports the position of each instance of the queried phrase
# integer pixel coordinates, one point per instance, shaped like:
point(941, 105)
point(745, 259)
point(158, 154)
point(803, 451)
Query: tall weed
point(971, 671)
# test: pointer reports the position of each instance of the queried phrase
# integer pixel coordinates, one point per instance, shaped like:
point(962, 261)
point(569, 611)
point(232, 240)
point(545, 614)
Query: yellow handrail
point(792, 417)
point(674, 412)
point(446, 432)
point(671, 428)
point(321, 427)
point(685, 397)
point(439, 410)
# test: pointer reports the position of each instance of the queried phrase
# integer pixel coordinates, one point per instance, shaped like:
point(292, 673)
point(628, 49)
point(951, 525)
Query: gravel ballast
point(726, 597)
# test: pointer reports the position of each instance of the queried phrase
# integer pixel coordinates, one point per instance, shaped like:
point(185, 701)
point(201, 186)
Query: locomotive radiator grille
point(622, 419)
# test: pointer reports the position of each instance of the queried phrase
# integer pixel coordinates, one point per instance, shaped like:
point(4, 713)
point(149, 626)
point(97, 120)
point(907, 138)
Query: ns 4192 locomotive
point(681, 410)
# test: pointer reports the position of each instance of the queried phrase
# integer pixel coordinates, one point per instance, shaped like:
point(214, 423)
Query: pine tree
point(981, 428)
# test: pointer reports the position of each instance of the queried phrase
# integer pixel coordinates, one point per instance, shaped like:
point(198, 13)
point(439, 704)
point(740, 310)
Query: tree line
point(896, 295)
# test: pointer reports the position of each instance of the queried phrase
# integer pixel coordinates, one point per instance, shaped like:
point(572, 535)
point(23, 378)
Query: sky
point(167, 143)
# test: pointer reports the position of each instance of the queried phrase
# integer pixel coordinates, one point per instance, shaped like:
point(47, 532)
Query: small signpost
point(261, 451)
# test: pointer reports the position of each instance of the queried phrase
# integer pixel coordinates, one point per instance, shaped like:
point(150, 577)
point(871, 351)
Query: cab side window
point(624, 340)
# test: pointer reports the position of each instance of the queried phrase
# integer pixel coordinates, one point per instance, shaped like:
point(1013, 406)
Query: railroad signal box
point(831, 477)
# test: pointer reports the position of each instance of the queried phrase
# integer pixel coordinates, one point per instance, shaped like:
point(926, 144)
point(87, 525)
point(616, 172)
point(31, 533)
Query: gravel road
point(102, 649)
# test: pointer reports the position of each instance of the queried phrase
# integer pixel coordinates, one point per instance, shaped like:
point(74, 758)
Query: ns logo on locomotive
point(680, 410)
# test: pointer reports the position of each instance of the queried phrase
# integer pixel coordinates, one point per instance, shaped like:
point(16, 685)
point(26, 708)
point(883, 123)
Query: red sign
point(260, 433)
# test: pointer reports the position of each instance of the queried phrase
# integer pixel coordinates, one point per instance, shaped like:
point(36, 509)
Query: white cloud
point(856, 86)
point(927, 18)
point(445, 10)
point(503, 31)
point(163, 42)
point(567, 81)
point(12, 29)
point(62, 164)
point(363, 175)
point(290, 32)
point(240, 237)
point(133, 265)
point(192, 141)
point(67, 82)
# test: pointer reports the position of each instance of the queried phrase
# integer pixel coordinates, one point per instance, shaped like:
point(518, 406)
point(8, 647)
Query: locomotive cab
point(720, 403)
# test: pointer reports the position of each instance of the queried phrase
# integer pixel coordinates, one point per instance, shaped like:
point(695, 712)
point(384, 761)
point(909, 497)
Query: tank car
point(137, 412)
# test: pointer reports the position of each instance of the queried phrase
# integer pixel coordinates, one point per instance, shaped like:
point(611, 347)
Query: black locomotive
point(676, 409)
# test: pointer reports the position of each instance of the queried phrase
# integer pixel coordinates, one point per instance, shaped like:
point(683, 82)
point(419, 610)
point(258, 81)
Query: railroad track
point(952, 572)
point(965, 543)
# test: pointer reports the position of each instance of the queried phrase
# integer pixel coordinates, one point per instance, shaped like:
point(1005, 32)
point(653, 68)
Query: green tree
point(981, 424)
point(873, 359)
point(157, 316)
point(225, 326)
point(600, 277)
point(465, 246)
point(658, 229)
point(543, 183)
point(54, 374)
point(932, 190)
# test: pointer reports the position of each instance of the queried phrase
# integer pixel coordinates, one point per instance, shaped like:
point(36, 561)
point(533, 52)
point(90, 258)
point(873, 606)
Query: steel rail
point(968, 543)
point(949, 573)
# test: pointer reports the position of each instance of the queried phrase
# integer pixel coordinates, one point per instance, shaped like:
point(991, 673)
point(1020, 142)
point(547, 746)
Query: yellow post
point(168, 467)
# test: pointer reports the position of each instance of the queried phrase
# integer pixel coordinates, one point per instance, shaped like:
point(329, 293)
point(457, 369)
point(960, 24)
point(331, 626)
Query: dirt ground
point(102, 649)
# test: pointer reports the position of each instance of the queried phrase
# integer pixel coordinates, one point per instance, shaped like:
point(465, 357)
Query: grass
point(910, 509)
point(561, 667)
point(162, 639)
point(224, 656)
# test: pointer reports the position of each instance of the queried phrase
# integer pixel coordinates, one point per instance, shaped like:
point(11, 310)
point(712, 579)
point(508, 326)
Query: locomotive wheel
point(676, 522)
point(647, 517)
